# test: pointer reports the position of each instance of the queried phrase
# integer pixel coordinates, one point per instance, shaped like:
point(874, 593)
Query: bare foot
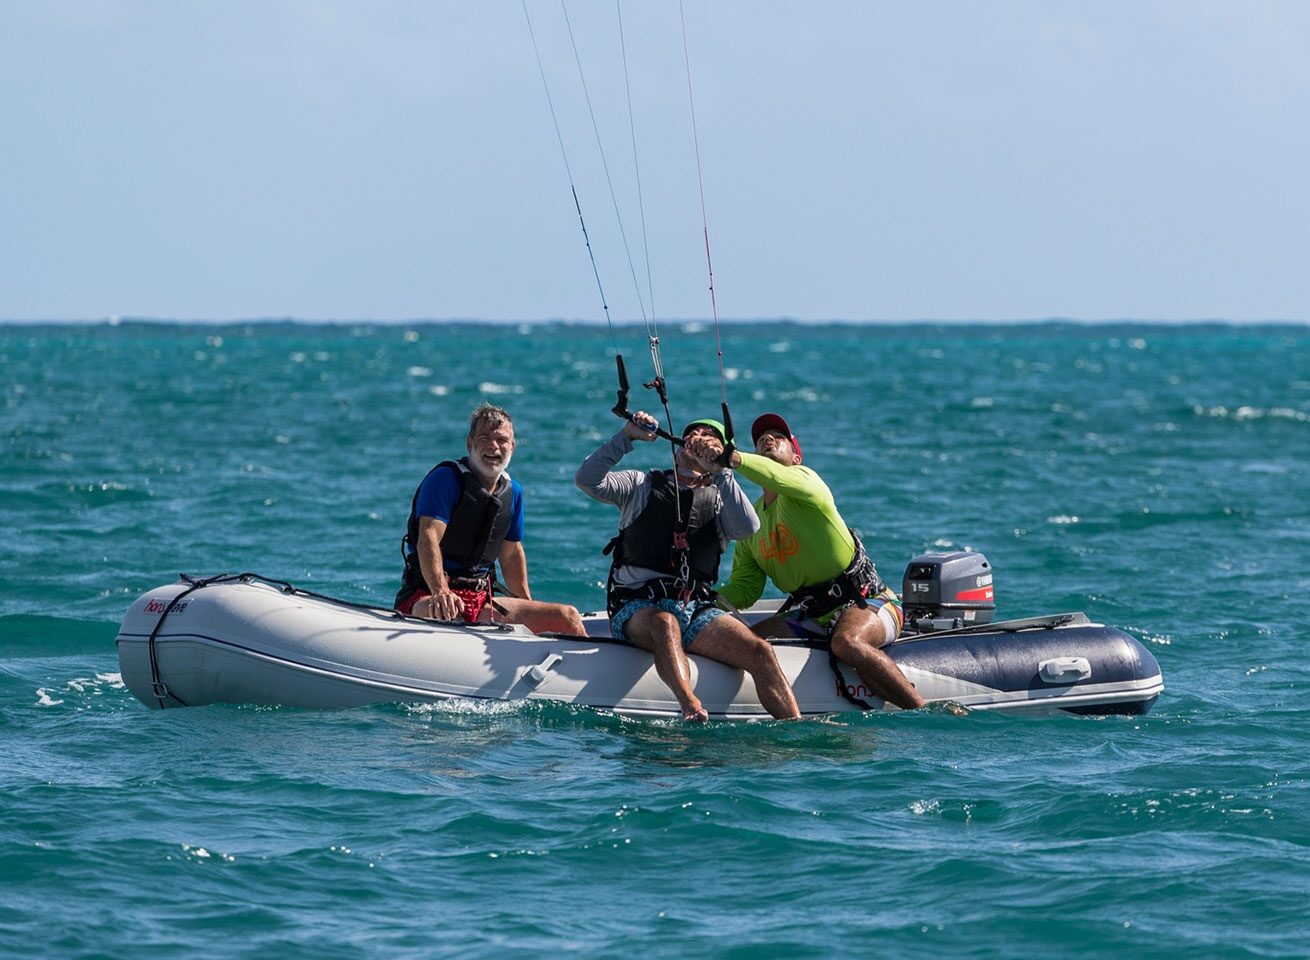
point(696, 714)
point(955, 709)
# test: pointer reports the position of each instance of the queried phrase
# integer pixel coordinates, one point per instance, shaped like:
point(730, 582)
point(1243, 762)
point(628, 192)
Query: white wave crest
point(1251, 413)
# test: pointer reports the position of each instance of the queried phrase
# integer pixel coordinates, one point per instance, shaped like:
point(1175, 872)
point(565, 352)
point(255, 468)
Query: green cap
point(712, 424)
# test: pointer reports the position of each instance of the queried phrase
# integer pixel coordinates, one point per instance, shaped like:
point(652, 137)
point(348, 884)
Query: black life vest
point(648, 542)
point(473, 536)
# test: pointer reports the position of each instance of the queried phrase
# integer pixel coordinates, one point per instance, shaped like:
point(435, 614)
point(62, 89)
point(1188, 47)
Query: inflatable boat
point(245, 639)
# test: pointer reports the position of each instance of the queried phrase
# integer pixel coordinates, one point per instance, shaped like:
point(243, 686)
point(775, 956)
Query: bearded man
point(466, 516)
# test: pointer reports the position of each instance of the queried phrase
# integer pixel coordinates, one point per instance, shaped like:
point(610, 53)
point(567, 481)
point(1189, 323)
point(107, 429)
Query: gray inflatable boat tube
point(250, 641)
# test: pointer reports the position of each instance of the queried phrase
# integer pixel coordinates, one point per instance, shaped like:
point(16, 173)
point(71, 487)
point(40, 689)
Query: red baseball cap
point(771, 421)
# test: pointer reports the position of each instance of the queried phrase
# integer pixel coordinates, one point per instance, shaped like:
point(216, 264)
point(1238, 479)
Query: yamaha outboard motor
point(946, 591)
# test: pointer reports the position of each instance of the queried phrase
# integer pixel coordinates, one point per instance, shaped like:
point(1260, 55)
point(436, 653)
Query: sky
point(396, 159)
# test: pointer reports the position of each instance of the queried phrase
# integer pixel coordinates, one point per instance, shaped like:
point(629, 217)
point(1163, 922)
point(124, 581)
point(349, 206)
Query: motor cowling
point(945, 591)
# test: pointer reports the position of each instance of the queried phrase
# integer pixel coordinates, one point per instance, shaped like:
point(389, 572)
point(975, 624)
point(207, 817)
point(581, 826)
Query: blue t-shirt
point(439, 494)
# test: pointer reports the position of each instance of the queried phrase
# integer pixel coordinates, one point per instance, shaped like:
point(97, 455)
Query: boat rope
point(568, 170)
point(842, 689)
point(822, 640)
point(705, 225)
point(157, 686)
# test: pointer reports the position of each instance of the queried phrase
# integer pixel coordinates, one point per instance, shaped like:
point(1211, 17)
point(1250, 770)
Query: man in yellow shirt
point(809, 553)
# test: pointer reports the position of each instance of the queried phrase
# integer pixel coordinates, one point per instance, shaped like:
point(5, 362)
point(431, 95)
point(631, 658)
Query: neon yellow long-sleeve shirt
point(802, 538)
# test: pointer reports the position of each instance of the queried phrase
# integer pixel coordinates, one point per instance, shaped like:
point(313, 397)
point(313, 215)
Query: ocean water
point(1154, 476)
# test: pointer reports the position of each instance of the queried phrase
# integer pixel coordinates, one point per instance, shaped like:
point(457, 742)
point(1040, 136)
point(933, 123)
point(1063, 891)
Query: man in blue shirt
point(466, 517)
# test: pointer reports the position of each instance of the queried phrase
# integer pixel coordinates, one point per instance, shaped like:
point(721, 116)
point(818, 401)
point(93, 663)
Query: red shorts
point(474, 601)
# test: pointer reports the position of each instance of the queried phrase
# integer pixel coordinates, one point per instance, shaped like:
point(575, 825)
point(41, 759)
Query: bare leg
point(730, 641)
point(855, 641)
point(537, 616)
point(659, 632)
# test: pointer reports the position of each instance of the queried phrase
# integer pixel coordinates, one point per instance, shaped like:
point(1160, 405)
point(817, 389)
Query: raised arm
point(737, 518)
point(799, 483)
point(597, 477)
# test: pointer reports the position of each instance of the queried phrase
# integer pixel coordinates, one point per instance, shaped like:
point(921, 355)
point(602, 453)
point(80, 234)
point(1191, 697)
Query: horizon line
point(116, 320)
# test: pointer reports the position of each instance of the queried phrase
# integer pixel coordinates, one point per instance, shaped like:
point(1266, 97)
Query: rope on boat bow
point(158, 688)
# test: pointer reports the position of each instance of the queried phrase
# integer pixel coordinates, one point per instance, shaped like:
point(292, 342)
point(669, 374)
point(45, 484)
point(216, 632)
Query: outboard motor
point(946, 591)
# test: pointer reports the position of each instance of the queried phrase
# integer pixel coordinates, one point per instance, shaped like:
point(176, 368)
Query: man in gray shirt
point(673, 529)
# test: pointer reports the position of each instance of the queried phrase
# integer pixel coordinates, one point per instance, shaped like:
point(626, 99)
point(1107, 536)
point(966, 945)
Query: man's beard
point(489, 471)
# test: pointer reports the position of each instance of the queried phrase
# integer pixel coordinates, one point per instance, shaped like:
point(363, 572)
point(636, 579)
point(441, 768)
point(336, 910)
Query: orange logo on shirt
point(779, 545)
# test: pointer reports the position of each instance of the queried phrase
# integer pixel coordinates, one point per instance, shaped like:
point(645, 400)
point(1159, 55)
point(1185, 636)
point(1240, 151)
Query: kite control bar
point(621, 406)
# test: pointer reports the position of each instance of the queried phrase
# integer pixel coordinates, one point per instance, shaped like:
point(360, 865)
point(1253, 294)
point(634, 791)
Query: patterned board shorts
point(692, 616)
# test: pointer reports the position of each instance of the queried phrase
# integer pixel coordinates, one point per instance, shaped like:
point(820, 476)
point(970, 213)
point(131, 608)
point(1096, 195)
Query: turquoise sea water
point(1155, 477)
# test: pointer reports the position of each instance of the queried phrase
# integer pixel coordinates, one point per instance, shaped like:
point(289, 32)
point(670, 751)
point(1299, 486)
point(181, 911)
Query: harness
point(674, 535)
point(473, 537)
point(853, 586)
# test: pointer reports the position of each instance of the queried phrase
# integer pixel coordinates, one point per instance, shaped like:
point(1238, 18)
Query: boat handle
point(537, 672)
point(1064, 669)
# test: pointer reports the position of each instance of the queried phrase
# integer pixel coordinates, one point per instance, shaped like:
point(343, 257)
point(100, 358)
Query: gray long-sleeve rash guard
point(629, 490)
